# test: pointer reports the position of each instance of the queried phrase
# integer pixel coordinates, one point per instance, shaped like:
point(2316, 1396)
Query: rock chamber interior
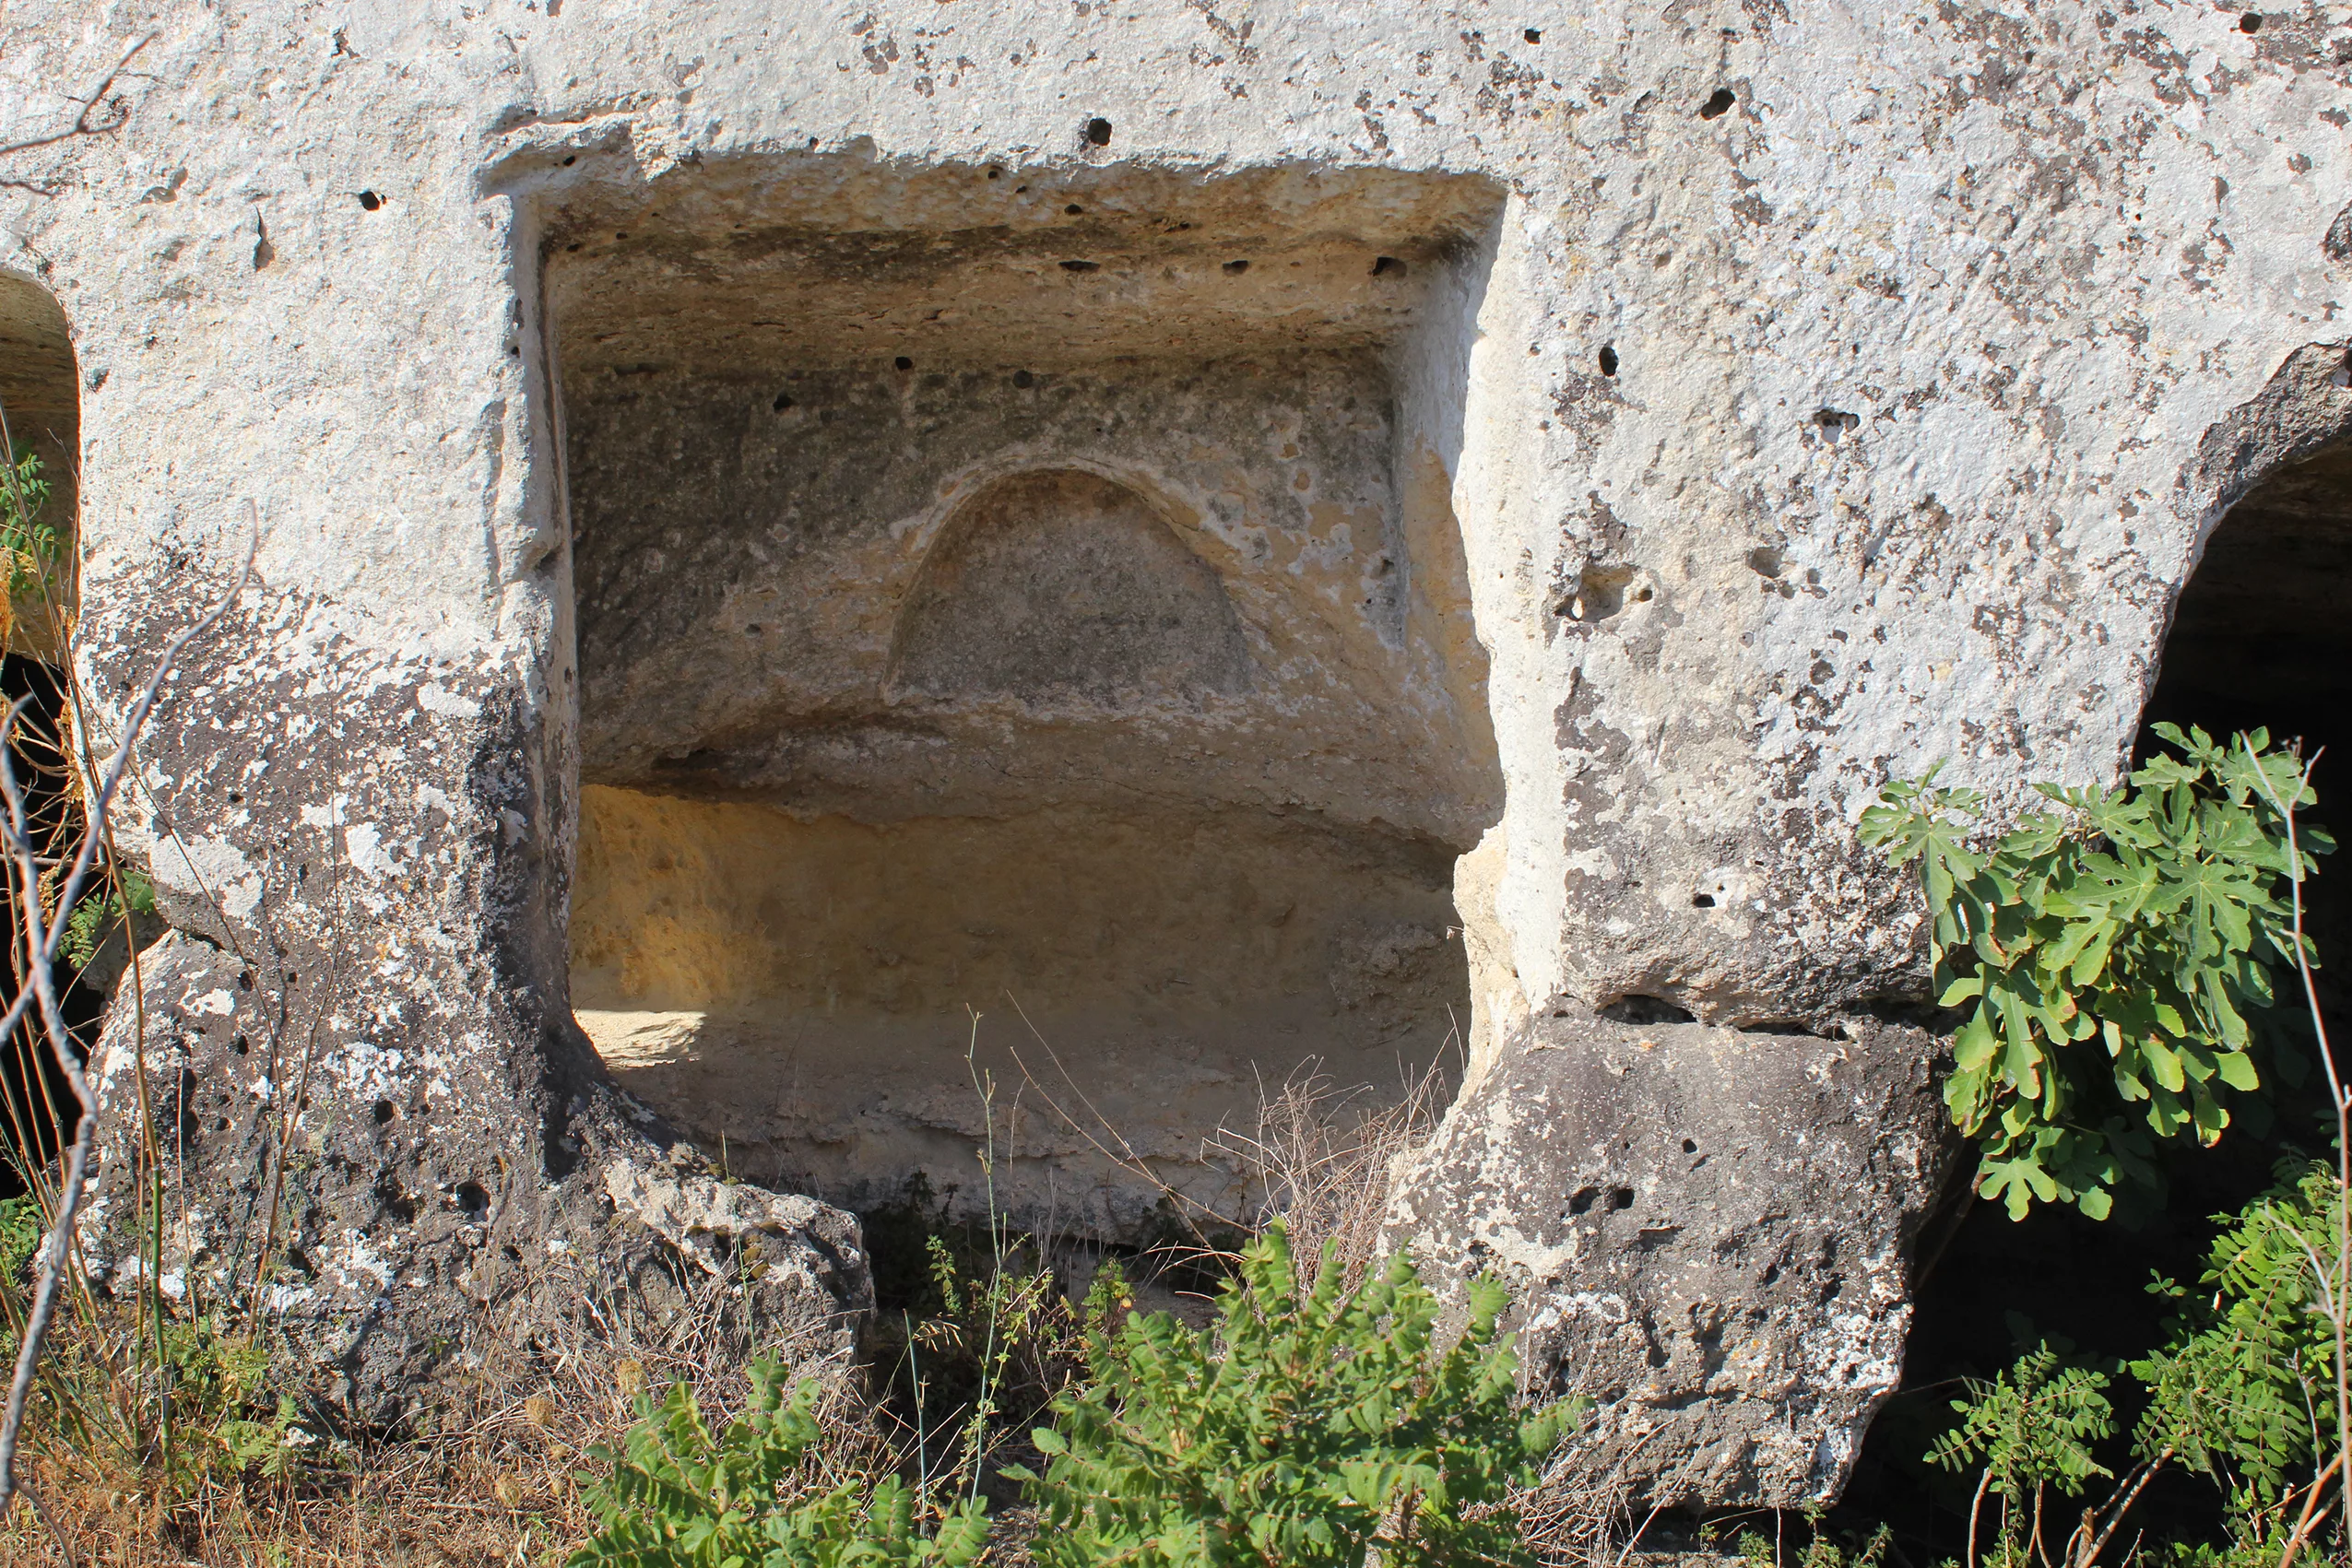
point(1018, 615)
point(41, 406)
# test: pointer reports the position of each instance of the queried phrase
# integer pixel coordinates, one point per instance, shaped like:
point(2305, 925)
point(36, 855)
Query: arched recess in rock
point(40, 414)
point(1155, 949)
point(1058, 586)
point(2259, 636)
point(1083, 645)
point(2262, 638)
point(2262, 633)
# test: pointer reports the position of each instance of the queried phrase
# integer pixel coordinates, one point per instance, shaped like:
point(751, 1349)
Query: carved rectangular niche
point(1025, 594)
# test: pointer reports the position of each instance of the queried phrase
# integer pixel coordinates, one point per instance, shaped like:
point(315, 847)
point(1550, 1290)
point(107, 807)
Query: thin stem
point(2310, 1516)
point(44, 940)
point(82, 124)
point(983, 1407)
point(2340, 1102)
point(2122, 1505)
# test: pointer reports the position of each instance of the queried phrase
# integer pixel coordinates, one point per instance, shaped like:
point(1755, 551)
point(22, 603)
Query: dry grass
point(498, 1483)
point(1325, 1160)
point(498, 1497)
point(495, 1484)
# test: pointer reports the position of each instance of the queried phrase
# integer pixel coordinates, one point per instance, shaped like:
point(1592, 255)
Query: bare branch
point(43, 937)
point(89, 120)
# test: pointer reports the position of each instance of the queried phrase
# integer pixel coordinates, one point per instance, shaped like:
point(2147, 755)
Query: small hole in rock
point(370, 200)
point(1608, 360)
point(1764, 561)
point(903, 363)
point(1704, 901)
point(384, 1112)
point(570, 161)
point(2251, 22)
point(1533, 35)
point(996, 174)
point(1098, 132)
point(1388, 266)
point(240, 1046)
point(1717, 104)
point(1080, 266)
point(1644, 1009)
point(1023, 378)
point(473, 1197)
point(783, 401)
point(1620, 1197)
point(1073, 210)
point(1237, 267)
point(1583, 1199)
point(1690, 1146)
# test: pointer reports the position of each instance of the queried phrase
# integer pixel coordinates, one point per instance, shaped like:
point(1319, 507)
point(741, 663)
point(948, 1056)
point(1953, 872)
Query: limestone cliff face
point(1240, 537)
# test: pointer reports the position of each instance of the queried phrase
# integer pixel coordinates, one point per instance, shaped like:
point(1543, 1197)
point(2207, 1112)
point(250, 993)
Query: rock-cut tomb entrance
point(1022, 596)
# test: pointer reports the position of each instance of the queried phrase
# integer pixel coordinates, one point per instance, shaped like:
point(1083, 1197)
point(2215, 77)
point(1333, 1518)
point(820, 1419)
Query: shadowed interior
point(40, 405)
point(2261, 637)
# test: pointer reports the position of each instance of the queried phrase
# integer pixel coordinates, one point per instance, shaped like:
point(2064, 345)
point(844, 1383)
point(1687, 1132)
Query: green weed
point(2109, 954)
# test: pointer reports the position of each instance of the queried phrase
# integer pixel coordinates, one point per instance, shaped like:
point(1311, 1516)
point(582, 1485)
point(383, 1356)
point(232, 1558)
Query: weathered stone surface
point(1700, 413)
point(376, 1236)
point(1708, 1232)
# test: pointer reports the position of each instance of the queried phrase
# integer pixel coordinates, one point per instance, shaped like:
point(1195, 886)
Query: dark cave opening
point(2260, 638)
point(36, 1102)
point(39, 419)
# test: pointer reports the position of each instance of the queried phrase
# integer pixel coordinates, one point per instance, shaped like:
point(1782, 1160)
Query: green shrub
point(20, 1232)
point(2243, 1389)
point(680, 1496)
point(29, 548)
point(2030, 1427)
point(1303, 1432)
point(2242, 1392)
point(97, 913)
point(2109, 954)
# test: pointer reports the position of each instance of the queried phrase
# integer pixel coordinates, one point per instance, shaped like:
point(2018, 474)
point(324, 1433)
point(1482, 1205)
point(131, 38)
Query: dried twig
point(43, 937)
point(89, 120)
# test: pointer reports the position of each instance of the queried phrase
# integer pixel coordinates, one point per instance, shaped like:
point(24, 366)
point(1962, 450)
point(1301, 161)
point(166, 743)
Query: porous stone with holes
point(1216, 543)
